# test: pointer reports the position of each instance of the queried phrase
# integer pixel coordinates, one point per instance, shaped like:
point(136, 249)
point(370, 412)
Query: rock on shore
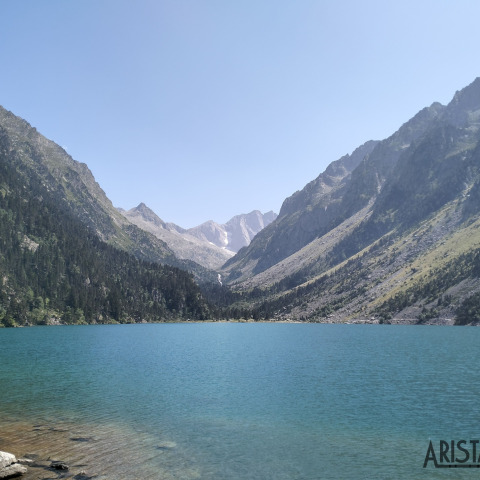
point(9, 467)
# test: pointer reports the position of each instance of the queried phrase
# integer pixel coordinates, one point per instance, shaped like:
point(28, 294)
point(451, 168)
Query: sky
point(206, 109)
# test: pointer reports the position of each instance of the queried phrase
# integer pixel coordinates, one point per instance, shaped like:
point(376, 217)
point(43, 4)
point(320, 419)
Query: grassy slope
point(360, 287)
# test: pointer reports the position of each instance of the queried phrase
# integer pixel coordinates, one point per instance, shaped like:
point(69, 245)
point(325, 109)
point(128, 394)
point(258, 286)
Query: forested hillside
point(54, 269)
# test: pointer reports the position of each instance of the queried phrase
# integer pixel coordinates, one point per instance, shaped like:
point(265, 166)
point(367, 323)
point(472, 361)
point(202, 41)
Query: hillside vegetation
point(55, 270)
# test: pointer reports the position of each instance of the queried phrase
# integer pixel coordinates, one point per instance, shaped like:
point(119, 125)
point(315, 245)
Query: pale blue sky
point(204, 109)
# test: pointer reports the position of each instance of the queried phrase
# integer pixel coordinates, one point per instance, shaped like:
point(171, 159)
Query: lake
point(233, 401)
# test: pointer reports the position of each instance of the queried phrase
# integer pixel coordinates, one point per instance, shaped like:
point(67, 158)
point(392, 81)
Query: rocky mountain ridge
point(237, 233)
point(381, 240)
point(344, 188)
point(209, 244)
point(184, 245)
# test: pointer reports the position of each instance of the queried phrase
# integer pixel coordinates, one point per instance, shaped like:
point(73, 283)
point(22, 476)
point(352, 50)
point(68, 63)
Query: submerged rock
point(166, 446)
point(82, 476)
point(9, 467)
point(57, 465)
point(81, 439)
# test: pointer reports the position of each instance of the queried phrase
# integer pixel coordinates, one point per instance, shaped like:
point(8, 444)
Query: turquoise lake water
point(245, 401)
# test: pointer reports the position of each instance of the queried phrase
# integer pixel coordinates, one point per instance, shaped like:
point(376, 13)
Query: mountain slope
point(209, 244)
point(345, 187)
point(237, 233)
point(56, 270)
point(180, 241)
point(403, 219)
point(77, 192)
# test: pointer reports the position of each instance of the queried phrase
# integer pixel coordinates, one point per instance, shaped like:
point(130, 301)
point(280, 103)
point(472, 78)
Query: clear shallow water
point(241, 401)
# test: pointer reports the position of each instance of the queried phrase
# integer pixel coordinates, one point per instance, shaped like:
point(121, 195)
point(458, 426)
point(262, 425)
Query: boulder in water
point(9, 467)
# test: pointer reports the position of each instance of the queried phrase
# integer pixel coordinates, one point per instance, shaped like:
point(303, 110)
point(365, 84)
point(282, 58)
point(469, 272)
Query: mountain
point(389, 233)
point(56, 269)
point(346, 186)
point(180, 241)
point(237, 233)
point(76, 191)
point(209, 244)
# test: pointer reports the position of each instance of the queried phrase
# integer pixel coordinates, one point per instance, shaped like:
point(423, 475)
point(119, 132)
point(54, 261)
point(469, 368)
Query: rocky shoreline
point(31, 467)
point(60, 449)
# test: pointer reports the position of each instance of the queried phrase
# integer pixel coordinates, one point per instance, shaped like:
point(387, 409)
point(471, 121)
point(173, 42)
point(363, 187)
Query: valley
point(387, 234)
